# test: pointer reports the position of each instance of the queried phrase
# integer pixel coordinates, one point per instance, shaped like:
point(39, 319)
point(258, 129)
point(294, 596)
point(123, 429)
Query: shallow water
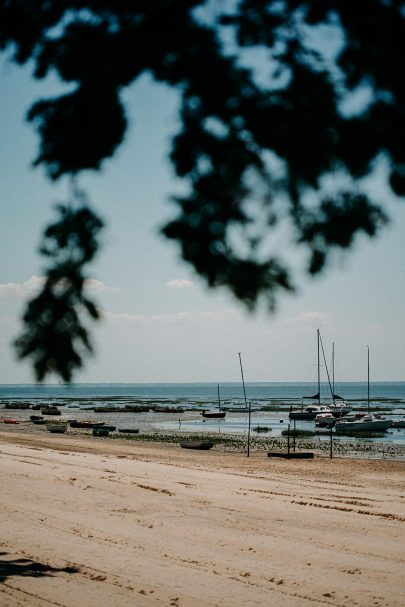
point(237, 423)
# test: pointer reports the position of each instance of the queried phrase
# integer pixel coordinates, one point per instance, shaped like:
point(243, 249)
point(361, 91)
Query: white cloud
point(179, 283)
point(309, 317)
point(34, 283)
point(92, 284)
point(16, 289)
point(10, 288)
point(27, 288)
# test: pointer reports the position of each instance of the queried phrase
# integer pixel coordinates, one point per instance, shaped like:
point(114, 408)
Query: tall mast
point(319, 369)
point(219, 400)
point(368, 379)
point(333, 368)
point(244, 394)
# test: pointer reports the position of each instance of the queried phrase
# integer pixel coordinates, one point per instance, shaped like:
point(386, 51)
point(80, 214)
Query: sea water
point(287, 391)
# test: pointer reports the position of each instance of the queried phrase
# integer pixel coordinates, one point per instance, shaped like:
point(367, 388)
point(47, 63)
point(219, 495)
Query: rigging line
point(327, 371)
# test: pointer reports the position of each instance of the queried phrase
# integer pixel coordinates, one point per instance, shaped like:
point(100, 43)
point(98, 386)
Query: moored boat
point(56, 428)
point(366, 423)
point(199, 445)
point(84, 424)
point(11, 421)
point(213, 414)
point(50, 410)
point(101, 431)
point(325, 420)
point(309, 413)
point(398, 423)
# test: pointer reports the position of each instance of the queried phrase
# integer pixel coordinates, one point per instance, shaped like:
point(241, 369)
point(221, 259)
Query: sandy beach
point(89, 522)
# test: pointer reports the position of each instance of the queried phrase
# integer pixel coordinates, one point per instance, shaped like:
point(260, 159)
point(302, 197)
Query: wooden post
point(331, 443)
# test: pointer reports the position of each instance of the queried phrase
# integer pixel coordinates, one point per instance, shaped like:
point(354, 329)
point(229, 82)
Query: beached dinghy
point(213, 414)
point(101, 432)
point(84, 424)
point(10, 421)
point(129, 430)
point(195, 444)
point(56, 428)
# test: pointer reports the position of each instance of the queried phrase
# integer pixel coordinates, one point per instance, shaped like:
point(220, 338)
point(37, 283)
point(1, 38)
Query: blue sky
point(160, 323)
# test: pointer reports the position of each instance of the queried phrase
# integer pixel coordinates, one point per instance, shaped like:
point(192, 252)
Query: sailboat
point(310, 412)
point(342, 408)
point(215, 414)
point(364, 422)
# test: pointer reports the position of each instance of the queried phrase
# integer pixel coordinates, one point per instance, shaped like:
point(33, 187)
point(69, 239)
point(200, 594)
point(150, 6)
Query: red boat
point(10, 421)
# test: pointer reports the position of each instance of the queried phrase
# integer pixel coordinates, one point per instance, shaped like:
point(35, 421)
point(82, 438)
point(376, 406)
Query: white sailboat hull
point(363, 425)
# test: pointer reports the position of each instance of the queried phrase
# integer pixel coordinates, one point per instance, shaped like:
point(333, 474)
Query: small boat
point(50, 410)
point(56, 428)
point(202, 445)
point(101, 432)
point(366, 423)
point(309, 413)
point(398, 423)
point(129, 430)
point(35, 417)
point(84, 424)
point(325, 420)
point(261, 429)
point(10, 421)
point(213, 414)
point(40, 422)
point(292, 454)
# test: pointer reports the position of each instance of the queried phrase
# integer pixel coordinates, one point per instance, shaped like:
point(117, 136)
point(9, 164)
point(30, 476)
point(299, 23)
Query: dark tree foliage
point(258, 145)
point(54, 335)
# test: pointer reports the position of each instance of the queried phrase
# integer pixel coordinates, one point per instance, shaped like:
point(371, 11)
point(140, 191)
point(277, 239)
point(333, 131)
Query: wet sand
point(88, 522)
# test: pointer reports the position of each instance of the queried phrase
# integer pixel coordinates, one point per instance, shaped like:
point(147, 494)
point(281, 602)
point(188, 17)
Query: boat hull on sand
point(213, 414)
point(56, 428)
point(88, 425)
point(199, 445)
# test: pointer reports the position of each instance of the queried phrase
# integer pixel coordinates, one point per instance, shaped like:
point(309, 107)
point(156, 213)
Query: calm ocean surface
point(203, 391)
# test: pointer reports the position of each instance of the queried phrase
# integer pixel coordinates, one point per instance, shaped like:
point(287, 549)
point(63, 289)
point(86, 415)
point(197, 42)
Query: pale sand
point(155, 525)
